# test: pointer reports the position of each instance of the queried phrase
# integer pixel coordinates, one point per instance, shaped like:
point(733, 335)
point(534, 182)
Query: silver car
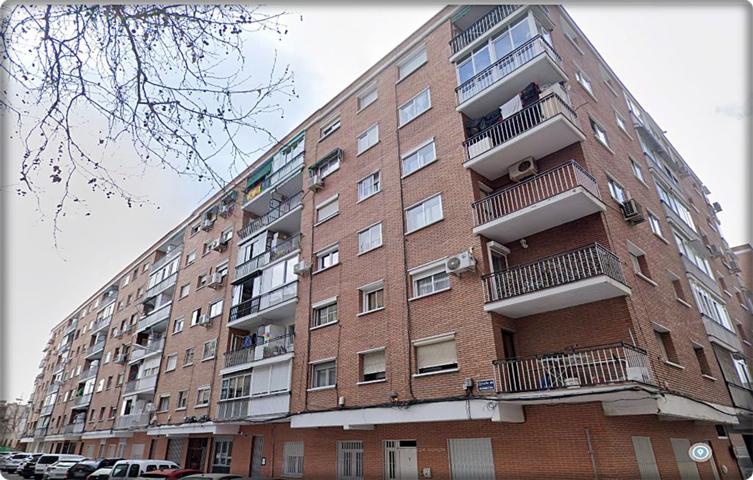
point(59, 469)
point(14, 461)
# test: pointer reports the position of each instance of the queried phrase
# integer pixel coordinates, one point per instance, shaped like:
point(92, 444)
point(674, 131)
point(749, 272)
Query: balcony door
point(400, 460)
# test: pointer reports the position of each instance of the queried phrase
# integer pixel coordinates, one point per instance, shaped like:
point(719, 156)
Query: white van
point(48, 459)
point(135, 468)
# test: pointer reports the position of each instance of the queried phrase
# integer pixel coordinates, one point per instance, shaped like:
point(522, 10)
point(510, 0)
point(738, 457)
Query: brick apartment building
point(481, 258)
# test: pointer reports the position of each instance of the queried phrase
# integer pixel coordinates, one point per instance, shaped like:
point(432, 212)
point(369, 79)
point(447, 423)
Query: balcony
point(154, 317)
point(139, 352)
point(534, 61)
point(280, 250)
point(721, 335)
point(270, 348)
point(277, 304)
point(161, 286)
point(101, 323)
point(82, 401)
point(172, 254)
point(574, 369)
point(46, 410)
point(90, 372)
point(286, 181)
point(284, 218)
point(141, 385)
point(742, 397)
point(133, 420)
point(53, 387)
point(554, 197)
point(542, 128)
point(269, 406)
point(40, 432)
point(497, 16)
point(95, 351)
point(73, 428)
point(584, 275)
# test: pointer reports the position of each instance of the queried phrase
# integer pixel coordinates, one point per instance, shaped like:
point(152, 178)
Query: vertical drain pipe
point(591, 453)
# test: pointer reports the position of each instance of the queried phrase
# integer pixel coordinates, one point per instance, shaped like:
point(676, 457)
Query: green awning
point(259, 174)
point(336, 153)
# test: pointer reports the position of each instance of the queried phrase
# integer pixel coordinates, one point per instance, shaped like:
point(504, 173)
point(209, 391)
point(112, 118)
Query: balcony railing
point(264, 301)
point(536, 189)
point(503, 67)
point(553, 271)
point(583, 367)
point(259, 223)
point(518, 123)
point(40, 432)
point(133, 420)
point(141, 384)
point(175, 252)
point(82, 400)
point(140, 351)
point(276, 177)
point(96, 348)
point(155, 316)
point(101, 323)
point(161, 286)
point(46, 409)
point(70, 328)
point(265, 349)
point(76, 427)
point(268, 256)
point(90, 372)
point(481, 26)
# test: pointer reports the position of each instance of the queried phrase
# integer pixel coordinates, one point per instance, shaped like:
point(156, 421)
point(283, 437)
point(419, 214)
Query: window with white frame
point(372, 365)
point(616, 190)
point(367, 139)
point(328, 257)
point(215, 309)
point(195, 317)
point(689, 251)
point(743, 372)
point(164, 403)
point(655, 225)
point(185, 290)
point(292, 454)
point(350, 460)
point(323, 374)
point(424, 213)
point(637, 171)
point(584, 81)
point(710, 306)
point(372, 297)
point(223, 450)
point(436, 354)
point(329, 127)
point(415, 107)
point(329, 164)
point(325, 312)
point(369, 186)
point(419, 157)
point(370, 238)
point(599, 132)
point(431, 279)
point(327, 209)
point(172, 362)
point(203, 395)
point(178, 325)
point(411, 63)
point(620, 121)
point(367, 97)
point(675, 205)
point(188, 356)
point(182, 400)
point(238, 386)
point(210, 349)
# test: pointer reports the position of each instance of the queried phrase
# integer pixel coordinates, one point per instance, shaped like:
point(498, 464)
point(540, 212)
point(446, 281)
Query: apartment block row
point(483, 258)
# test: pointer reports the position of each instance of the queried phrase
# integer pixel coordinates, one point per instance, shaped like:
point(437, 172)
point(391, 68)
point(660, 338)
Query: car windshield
point(119, 470)
point(45, 460)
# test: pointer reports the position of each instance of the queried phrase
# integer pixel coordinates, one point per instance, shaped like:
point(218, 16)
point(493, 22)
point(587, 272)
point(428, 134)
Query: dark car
point(84, 468)
point(28, 469)
point(170, 473)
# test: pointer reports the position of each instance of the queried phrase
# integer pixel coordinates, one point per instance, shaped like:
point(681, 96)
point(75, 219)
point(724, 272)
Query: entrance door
point(400, 460)
point(256, 454)
point(196, 454)
point(471, 459)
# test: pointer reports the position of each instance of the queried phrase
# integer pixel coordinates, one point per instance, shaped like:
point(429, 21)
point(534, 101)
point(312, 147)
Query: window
point(419, 157)
point(223, 450)
point(350, 460)
point(235, 387)
point(653, 221)
point(126, 279)
point(201, 281)
point(328, 257)
point(182, 399)
point(367, 97)
point(101, 385)
point(188, 357)
point(324, 374)
point(325, 313)
point(666, 346)
point(327, 209)
point(215, 309)
point(203, 395)
point(743, 373)
point(436, 354)
point(329, 164)
point(710, 306)
point(172, 362)
point(185, 290)
point(108, 356)
point(195, 316)
point(599, 133)
point(638, 260)
point(425, 213)
point(108, 385)
point(190, 258)
point(367, 139)
point(431, 280)
point(329, 127)
point(415, 107)
point(370, 238)
point(637, 171)
point(687, 250)
point(292, 453)
point(678, 207)
point(226, 235)
point(677, 286)
point(584, 81)
point(164, 403)
point(368, 186)
point(703, 363)
point(620, 122)
point(210, 349)
point(372, 297)
point(616, 191)
point(178, 325)
point(372, 365)
point(411, 63)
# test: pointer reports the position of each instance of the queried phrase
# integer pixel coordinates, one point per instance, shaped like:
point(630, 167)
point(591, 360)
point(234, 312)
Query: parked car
point(27, 470)
point(212, 476)
point(170, 473)
point(48, 459)
point(59, 469)
point(11, 463)
point(86, 467)
point(30, 459)
point(136, 468)
point(100, 474)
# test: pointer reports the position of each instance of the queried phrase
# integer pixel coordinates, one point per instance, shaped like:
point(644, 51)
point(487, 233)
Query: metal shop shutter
point(471, 459)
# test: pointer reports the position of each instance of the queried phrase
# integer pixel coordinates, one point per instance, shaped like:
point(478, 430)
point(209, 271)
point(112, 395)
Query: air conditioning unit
point(462, 262)
point(207, 224)
point(316, 183)
point(205, 321)
point(302, 268)
point(120, 358)
point(215, 281)
point(203, 418)
point(717, 206)
point(226, 210)
point(714, 250)
point(523, 169)
point(217, 245)
point(632, 211)
point(127, 328)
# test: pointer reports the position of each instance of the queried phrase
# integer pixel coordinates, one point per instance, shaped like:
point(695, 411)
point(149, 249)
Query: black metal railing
point(481, 26)
point(278, 251)
point(259, 223)
point(264, 301)
point(264, 348)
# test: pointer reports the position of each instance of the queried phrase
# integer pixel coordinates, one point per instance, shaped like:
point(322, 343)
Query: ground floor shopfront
point(554, 441)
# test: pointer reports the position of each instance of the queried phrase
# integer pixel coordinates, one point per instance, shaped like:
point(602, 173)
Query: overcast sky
point(686, 66)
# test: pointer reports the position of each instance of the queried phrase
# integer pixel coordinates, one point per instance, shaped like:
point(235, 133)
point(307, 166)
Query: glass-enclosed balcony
point(277, 304)
point(281, 250)
point(141, 385)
